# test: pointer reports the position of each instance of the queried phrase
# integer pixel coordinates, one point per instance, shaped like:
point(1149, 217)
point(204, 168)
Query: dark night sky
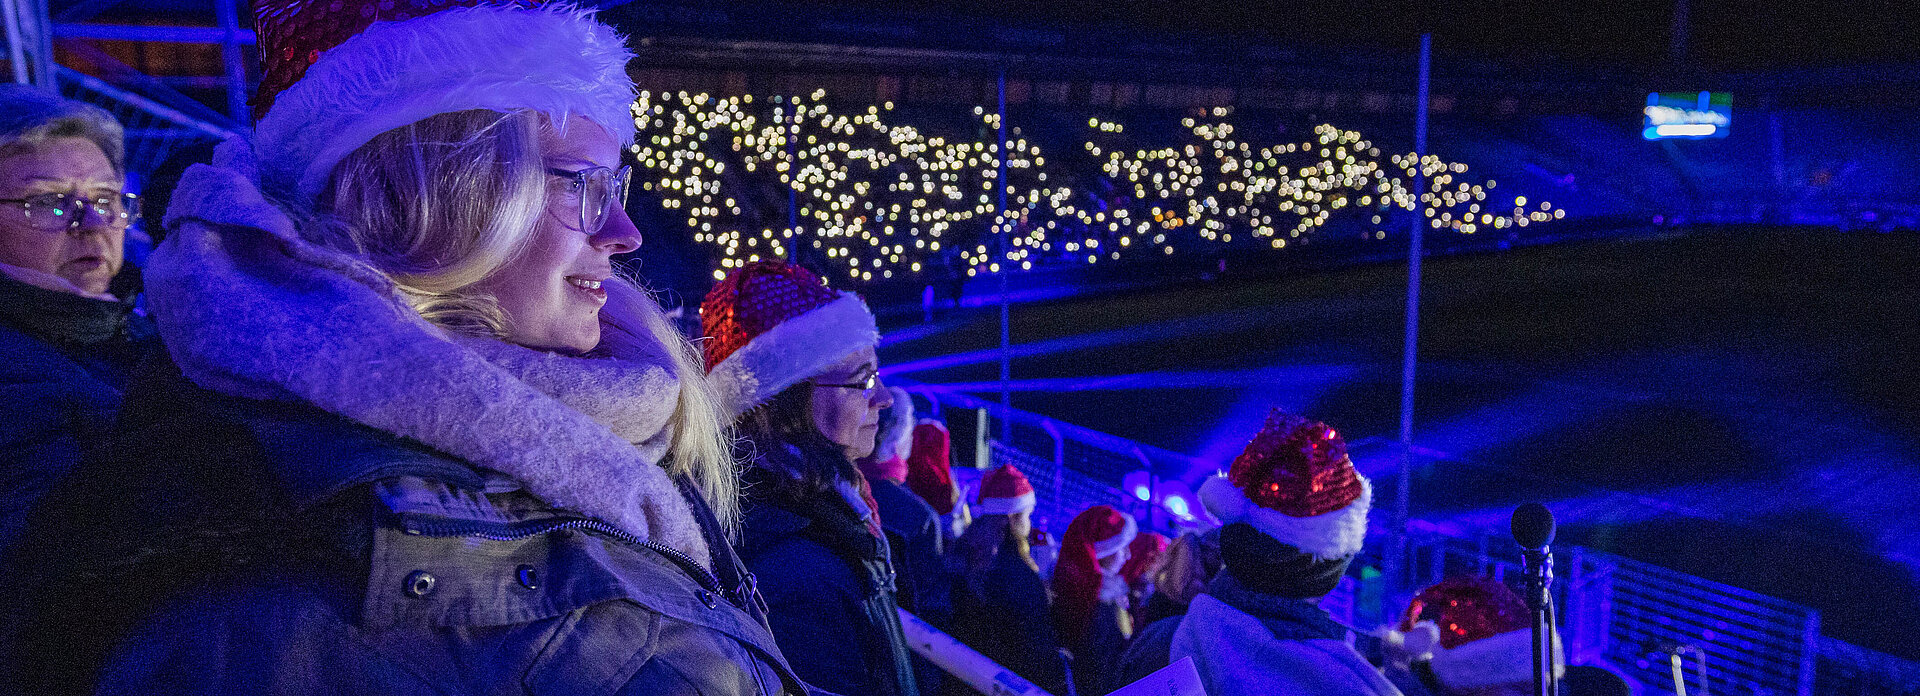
point(1724, 34)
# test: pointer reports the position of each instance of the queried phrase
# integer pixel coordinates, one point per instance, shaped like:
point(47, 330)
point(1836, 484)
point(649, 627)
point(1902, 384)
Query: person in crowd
point(930, 475)
point(1295, 514)
point(1001, 606)
point(1464, 636)
point(1045, 552)
point(912, 528)
point(1090, 598)
point(70, 336)
point(415, 434)
point(1190, 562)
point(794, 363)
point(1144, 557)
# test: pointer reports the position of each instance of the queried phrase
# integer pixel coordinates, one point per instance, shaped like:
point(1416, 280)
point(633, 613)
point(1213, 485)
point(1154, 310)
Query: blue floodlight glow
point(1142, 493)
point(1178, 506)
point(1687, 115)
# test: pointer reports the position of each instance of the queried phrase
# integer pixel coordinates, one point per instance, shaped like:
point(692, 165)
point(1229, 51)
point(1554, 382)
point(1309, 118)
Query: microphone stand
point(1539, 576)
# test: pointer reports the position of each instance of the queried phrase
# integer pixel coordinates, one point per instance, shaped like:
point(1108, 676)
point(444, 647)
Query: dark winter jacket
point(913, 537)
point(1096, 660)
point(1004, 614)
point(913, 533)
point(66, 362)
point(1147, 652)
point(262, 547)
point(829, 589)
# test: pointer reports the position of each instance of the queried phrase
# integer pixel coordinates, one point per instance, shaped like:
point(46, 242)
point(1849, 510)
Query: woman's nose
point(619, 235)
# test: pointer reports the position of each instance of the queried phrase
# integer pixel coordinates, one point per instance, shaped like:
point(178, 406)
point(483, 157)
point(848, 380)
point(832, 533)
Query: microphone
point(1532, 526)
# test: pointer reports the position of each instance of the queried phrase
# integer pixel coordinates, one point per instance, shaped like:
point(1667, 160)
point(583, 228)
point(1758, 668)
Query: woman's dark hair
point(791, 459)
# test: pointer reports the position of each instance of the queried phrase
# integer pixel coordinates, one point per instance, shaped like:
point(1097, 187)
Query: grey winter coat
point(274, 548)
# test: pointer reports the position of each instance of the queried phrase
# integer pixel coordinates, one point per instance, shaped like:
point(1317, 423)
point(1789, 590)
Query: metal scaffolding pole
point(1397, 557)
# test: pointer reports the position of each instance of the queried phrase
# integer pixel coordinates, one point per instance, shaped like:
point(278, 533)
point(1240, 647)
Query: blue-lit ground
point(1737, 404)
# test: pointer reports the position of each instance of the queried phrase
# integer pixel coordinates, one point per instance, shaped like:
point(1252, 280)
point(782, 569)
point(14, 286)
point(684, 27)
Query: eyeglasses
point(599, 189)
point(867, 386)
point(50, 212)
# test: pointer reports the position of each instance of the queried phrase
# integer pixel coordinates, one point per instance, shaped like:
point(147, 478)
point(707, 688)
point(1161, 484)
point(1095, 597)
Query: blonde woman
point(417, 436)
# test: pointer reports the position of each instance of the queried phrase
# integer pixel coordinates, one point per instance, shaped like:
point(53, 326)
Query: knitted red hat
point(929, 466)
point(1098, 532)
point(770, 325)
point(1295, 483)
point(1484, 634)
point(339, 73)
point(1004, 491)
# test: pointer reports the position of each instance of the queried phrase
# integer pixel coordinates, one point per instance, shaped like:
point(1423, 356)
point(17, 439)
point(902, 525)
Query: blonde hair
point(440, 204)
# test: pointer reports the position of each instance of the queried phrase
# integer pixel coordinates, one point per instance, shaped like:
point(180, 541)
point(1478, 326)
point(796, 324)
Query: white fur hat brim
point(1006, 506)
point(1335, 534)
point(1506, 658)
point(791, 351)
point(556, 60)
point(1114, 544)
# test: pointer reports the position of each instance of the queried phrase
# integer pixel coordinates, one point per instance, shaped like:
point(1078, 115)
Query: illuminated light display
point(880, 199)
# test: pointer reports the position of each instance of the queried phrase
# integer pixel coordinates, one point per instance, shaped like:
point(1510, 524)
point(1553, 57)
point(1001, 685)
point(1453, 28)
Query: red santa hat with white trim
point(1004, 491)
point(337, 74)
point(1473, 631)
point(770, 325)
point(1295, 483)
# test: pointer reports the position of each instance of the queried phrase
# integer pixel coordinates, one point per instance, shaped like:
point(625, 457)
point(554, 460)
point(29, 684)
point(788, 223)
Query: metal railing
point(1631, 616)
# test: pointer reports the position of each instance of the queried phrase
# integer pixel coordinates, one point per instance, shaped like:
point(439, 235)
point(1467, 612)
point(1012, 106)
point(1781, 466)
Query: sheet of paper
point(1177, 679)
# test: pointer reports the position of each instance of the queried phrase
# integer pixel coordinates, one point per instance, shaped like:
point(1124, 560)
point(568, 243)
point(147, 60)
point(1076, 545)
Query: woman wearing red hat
point(1090, 597)
point(793, 361)
point(416, 435)
point(1465, 636)
point(1001, 607)
point(1295, 512)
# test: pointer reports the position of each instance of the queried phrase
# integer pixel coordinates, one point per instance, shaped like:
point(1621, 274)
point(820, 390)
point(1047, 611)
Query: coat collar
point(1288, 618)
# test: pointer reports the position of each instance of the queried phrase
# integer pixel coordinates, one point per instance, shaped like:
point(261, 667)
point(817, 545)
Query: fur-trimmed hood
point(247, 307)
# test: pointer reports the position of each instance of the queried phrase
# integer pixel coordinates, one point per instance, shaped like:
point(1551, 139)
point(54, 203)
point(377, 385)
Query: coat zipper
point(440, 527)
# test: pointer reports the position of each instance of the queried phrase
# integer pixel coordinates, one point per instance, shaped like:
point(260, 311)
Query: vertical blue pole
point(1410, 356)
point(236, 65)
point(793, 195)
point(1001, 226)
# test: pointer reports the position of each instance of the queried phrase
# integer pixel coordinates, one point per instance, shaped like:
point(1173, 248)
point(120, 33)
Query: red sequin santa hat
point(1004, 491)
point(770, 325)
point(340, 72)
point(1295, 483)
point(1476, 630)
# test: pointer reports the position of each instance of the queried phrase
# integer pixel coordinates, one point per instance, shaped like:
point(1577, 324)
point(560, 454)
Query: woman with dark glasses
point(69, 342)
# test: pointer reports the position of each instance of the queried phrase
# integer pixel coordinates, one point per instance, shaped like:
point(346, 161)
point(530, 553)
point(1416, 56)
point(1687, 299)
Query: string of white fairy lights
point(879, 198)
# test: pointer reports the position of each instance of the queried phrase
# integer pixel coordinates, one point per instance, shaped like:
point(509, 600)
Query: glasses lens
point(51, 211)
point(872, 381)
point(129, 207)
point(596, 199)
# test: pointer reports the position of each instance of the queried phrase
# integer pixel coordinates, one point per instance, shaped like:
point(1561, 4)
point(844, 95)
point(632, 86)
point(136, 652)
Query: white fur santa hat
point(1004, 491)
point(1474, 632)
point(1295, 483)
point(770, 325)
point(338, 74)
